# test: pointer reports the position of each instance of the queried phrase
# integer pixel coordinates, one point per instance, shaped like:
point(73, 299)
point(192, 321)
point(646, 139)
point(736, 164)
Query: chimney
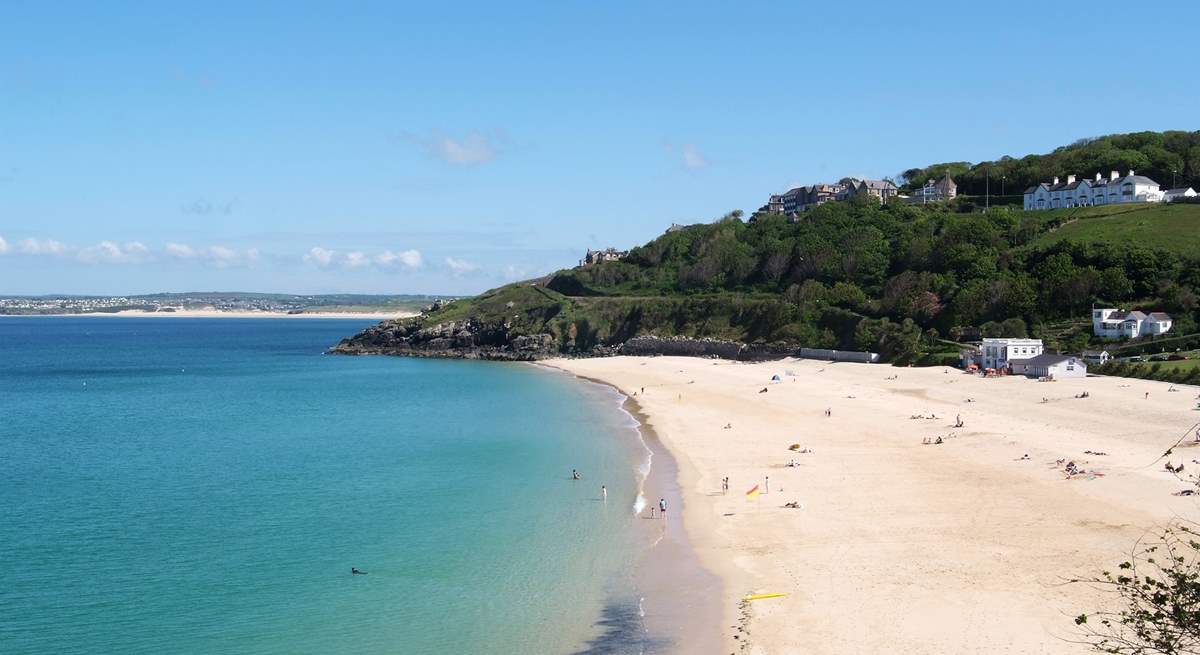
point(1055, 180)
point(1097, 177)
point(1113, 175)
point(1131, 172)
point(1070, 179)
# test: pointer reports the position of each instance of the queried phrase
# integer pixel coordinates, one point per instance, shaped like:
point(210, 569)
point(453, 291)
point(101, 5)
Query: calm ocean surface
point(204, 486)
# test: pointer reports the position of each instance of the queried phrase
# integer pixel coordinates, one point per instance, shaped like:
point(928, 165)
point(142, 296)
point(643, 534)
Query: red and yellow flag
point(753, 493)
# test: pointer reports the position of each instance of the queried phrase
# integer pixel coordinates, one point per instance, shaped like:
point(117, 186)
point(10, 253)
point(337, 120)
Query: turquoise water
point(204, 486)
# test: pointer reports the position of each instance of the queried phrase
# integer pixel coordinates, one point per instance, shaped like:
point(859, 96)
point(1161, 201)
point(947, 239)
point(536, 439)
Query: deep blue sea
point(174, 485)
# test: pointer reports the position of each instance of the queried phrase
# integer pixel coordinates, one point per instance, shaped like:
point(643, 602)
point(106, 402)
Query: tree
point(1158, 592)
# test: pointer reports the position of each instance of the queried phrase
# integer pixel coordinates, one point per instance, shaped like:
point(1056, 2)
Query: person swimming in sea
point(355, 571)
point(574, 474)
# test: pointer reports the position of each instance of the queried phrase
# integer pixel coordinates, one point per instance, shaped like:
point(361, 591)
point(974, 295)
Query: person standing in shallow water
point(662, 507)
point(574, 474)
point(604, 493)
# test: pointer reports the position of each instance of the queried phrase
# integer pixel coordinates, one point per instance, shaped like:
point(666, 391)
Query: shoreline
point(213, 313)
point(680, 596)
point(894, 540)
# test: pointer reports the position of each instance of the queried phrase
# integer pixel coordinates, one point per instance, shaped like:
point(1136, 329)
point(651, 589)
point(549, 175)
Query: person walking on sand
point(662, 507)
point(767, 485)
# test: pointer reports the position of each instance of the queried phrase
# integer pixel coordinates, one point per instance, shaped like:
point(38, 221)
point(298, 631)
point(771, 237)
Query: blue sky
point(381, 148)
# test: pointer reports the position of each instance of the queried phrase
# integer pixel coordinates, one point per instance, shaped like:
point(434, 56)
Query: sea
point(179, 485)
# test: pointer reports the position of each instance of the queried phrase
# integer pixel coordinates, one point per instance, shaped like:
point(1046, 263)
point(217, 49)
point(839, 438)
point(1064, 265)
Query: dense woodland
point(1162, 156)
point(897, 278)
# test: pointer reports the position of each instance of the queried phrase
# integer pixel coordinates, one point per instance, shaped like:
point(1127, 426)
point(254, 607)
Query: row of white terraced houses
point(1114, 190)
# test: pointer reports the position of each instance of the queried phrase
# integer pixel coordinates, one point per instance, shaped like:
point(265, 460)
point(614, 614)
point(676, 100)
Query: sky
point(411, 148)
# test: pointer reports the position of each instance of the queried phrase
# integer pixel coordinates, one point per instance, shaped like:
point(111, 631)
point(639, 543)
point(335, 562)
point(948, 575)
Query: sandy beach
point(215, 313)
point(898, 546)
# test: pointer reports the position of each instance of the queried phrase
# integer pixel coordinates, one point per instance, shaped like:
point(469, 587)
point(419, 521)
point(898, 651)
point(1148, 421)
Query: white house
point(997, 353)
point(1097, 356)
point(1051, 366)
point(1099, 191)
point(1175, 194)
point(1112, 323)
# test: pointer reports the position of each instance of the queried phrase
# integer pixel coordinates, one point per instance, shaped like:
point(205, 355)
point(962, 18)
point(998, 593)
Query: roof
point(1135, 179)
point(1180, 191)
point(1161, 316)
point(1034, 188)
point(878, 184)
point(1045, 359)
point(1095, 353)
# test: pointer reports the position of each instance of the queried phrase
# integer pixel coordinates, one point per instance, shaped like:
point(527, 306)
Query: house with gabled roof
point(1112, 323)
point(1179, 194)
point(1072, 192)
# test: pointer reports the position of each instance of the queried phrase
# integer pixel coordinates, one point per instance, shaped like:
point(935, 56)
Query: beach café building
point(997, 353)
point(1049, 365)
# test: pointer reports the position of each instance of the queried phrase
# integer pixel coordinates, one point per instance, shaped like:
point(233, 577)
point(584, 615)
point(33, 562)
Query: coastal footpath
point(894, 544)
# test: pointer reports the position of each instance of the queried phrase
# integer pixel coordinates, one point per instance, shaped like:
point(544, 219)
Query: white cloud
point(356, 259)
point(319, 257)
point(225, 257)
point(461, 266)
point(42, 247)
point(692, 158)
point(180, 251)
point(109, 252)
point(3, 246)
point(406, 258)
point(689, 155)
point(217, 256)
point(473, 148)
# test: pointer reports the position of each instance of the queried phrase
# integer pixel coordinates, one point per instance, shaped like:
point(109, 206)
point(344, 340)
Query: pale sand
point(901, 547)
point(215, 313)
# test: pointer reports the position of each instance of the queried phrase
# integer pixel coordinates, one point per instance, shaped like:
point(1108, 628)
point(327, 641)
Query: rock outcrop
point(716, 348)
point(455, 339)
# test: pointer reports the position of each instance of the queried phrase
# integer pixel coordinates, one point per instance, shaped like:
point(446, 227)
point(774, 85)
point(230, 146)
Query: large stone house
point(1072, 192)
point(853, 187)
point(606, 255)
point(1112, 323)
point(803, 198)
point(943, 189)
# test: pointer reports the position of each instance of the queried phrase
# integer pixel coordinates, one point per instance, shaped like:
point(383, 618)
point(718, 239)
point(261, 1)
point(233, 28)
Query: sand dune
point(900, 547)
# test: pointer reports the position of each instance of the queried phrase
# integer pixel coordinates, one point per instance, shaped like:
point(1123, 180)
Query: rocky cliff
point(455, 339)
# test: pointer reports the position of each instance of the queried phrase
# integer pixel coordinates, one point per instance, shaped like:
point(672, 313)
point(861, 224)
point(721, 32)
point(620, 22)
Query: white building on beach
point(998, 353)
point(1085, 193)
point(1049, 365)
point(1113, 323)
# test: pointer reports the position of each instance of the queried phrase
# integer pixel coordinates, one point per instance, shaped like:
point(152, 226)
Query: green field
point(1174, 227)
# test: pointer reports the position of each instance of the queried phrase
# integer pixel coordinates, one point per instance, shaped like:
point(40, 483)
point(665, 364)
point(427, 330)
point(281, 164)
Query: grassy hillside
point(1173, 227)
point(895, 279)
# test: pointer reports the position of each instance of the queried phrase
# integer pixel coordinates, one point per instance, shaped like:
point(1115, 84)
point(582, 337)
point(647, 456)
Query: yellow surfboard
point(761, 596)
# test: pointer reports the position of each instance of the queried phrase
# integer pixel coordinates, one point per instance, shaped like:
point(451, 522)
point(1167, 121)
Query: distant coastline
point(217, 313)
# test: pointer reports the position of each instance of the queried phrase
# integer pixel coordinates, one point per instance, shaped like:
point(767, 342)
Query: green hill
point(894, 279)
point(1174, 227)
point(1163, 156)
